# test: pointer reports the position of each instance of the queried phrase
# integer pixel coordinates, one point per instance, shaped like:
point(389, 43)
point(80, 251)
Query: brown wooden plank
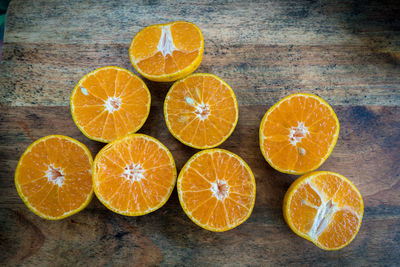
point(98, 236)
point(168, 237)
point(367, 134)
point(348, 52)
point(225, 22)
point(263, 50)
point(45, 74)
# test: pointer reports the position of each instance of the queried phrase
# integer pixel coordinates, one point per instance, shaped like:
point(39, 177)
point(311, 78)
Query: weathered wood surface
point(348, 53)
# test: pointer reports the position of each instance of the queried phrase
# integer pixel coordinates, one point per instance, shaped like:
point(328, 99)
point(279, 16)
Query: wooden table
point(347, 53)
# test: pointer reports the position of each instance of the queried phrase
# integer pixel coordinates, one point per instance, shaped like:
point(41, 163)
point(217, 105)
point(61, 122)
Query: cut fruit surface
point(201, 110)
point(109, 103)
point(134, 175)
point(217, 189)
point(54, 177)
point(324, 208)
point(298, 133)
point(167, 52)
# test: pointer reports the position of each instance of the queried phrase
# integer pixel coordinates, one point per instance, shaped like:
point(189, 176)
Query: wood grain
point(263, 50)
point(356, 75)
point(346, 52)
point(367, 134)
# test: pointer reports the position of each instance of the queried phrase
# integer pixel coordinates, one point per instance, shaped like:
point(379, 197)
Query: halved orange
point(298, 133)
point(217, 189)
point(167, 52)
point(324, 208)
point(109, 103)
point(54, 177)
point(201, 110)
point(134, 175)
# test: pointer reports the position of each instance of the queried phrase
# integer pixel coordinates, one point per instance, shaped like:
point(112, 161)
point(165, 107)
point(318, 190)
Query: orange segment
point(54, 177)
point(144, 44)
point(216, 189)
point(109, 103)
point(201, 110)
point(167, 52)
point(134, 175)
point(298, 133)
point(324, 208)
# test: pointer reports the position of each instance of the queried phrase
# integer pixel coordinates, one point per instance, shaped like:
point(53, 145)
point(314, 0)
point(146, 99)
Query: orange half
point(134, 175)
point(324, 208)
point(201, 110)
point(217, 189)
point(54, 177)
point(109, 103)
point(298, 133)
point(167, 52)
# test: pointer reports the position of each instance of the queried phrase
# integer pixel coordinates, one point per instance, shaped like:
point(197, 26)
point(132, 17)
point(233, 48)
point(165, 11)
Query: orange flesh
point(166, 49)
point(54, 177)
point(298, 135)
point(134, 175)
point(110, 103)
point(217, 190)
point(339, 205)
point(201, 111)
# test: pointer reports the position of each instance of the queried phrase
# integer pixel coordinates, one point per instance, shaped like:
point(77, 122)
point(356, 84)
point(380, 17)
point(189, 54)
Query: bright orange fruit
point(167, 52)
point(201, 110)
point(217, 189)
point(134, 175)
point(324, 208)
point(298, 133)
point(109, 103)
point(54, 177)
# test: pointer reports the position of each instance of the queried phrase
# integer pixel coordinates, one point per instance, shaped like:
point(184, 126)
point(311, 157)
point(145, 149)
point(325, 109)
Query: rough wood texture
point(346, 52)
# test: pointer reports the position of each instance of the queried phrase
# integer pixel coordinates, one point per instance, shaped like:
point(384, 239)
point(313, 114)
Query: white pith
point(133, 172)
point(322, 219)
point(202, 110)
point(220, 189)
point(55, 175)
point(325, 211)
point(166, 44)
point(297, 133)
point(112, 104)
